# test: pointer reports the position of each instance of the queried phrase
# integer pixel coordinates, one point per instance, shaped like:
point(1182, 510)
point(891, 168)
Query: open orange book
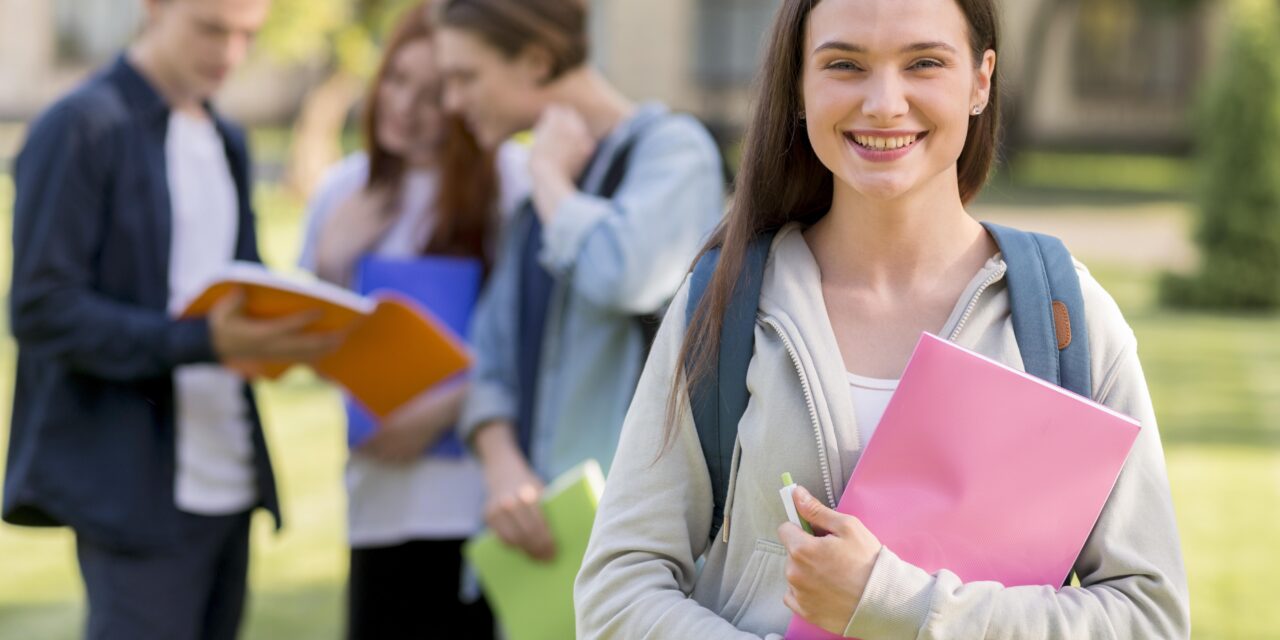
point(394, 349)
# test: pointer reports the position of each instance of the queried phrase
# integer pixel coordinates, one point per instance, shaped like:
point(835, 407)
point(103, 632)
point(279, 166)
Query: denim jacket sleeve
point(631, 252)
point(493, 393)
point(62, 179)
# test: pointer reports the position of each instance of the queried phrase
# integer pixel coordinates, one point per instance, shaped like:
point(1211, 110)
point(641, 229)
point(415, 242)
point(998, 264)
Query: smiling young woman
point(875, 124)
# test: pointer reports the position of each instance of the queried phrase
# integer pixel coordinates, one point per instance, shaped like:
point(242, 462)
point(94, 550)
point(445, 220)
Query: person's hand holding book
point(826, 574)
point(512, 509)
point(240, 340)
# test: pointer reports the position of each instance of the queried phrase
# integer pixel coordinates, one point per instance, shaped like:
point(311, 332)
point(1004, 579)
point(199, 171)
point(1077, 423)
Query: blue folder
point(447, 287)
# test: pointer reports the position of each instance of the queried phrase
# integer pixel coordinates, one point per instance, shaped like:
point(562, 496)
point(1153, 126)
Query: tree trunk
point(317, 133)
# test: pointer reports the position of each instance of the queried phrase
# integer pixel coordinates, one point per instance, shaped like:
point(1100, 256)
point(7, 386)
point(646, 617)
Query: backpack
point(1046, 304)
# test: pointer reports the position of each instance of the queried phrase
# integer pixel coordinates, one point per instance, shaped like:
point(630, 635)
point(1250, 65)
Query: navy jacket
point(91, 442)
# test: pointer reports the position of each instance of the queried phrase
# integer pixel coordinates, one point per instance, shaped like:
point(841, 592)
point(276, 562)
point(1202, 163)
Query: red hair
point(466, 200)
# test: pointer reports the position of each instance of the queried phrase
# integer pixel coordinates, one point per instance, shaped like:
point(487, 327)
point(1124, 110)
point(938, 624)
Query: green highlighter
point(789, 502)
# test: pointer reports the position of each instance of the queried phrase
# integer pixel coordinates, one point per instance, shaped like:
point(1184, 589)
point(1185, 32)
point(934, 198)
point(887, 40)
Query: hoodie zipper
point(813, 411)
point(808, 390)
point(973, 302)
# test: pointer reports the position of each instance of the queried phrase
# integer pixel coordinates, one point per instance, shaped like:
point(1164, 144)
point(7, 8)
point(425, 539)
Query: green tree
point(344, 36)
point(1238, 149)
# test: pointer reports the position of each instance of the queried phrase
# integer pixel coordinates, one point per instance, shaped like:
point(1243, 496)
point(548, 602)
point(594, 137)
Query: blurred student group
point(133, 423)
point(536, 222)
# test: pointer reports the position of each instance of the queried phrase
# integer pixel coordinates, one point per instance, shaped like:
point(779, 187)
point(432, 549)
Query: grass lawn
point(1101, 173)
point(1215, 381)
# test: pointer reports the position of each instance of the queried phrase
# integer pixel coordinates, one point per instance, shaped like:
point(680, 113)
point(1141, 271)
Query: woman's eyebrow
point(928, 46)
point(839, 45)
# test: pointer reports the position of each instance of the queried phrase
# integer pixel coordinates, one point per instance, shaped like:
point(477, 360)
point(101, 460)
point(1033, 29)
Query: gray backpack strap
point(719, 399)
point(1047, 307)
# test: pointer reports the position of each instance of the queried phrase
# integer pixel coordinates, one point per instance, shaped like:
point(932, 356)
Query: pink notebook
point(985, 471)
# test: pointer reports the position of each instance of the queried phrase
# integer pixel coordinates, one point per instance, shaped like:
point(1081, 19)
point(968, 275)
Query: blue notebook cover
point(447, 287)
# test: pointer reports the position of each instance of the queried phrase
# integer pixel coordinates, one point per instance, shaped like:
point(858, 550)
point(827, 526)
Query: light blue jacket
point(612, 260)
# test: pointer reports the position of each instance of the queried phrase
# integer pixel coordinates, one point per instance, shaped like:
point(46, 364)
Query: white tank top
point(870, 398)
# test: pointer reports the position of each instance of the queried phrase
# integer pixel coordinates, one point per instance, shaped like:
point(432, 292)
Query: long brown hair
point(782, 180)
point(466, 201)
point(559, 27)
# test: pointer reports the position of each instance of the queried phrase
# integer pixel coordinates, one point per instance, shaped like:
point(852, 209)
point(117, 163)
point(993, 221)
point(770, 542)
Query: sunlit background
point(1145, 133)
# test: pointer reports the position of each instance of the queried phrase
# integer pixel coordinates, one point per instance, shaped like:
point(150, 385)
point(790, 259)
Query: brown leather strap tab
point(1061, 324)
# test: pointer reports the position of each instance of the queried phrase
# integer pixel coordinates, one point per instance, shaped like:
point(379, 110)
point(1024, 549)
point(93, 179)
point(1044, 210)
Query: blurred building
point(1105, 74)
point(1100, 74)
point(47, 46)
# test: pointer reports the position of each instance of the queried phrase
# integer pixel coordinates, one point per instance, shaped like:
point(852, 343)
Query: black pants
point(410, 591)
point(194, 591)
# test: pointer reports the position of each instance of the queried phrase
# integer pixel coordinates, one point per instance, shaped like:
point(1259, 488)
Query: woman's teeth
point(880, 143)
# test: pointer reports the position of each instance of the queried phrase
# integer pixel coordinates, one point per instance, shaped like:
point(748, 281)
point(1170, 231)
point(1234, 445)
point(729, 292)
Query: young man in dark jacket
point(131, 193)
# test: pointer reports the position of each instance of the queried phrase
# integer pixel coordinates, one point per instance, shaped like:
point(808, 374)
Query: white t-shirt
point(870, 398)
point(215, 474)
point(434, 497)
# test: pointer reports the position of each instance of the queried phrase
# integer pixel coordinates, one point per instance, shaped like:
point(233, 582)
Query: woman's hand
point(355, 226)
point(398, 441)
point(826, 574)
point(405, 434)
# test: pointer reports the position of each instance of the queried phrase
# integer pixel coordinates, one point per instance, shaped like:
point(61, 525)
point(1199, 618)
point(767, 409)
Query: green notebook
point(534, 600)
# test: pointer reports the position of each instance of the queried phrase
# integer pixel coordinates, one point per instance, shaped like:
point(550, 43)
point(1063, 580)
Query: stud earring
point(977, 110)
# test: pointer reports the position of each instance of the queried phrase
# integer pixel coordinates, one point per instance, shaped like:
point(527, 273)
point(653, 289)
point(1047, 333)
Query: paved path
point(1151, 235)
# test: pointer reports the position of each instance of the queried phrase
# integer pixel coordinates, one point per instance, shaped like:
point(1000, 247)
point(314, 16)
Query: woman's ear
point(535, 63)
point(983, 74)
